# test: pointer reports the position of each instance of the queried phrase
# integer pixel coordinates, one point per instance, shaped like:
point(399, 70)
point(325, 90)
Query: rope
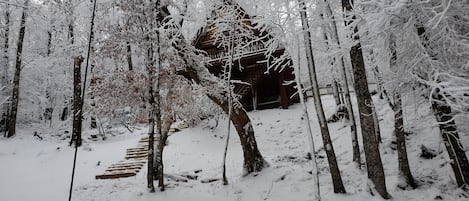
point(82, 98)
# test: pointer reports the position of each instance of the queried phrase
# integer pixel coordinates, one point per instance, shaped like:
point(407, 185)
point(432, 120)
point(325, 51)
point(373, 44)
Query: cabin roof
point(241, 13)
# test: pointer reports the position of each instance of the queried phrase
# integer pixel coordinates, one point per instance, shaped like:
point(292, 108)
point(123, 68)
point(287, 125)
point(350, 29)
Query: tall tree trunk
point(77, 117)
point(151, 142)
point(328, 147)
point(445, 117)
point(159, 123)
point(129, 56)
point(365, 108)
point(16, 79)
point(6, 37)
point(230, 99)
point(399, 131)
point(152, 118)
point(343, 74)
point(314, 171)
point(404, 169)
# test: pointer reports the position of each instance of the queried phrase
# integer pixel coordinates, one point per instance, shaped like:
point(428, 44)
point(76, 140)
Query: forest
point(234, 100)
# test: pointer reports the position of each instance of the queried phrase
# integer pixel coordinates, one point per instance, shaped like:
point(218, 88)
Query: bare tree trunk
point(151, 142)
point(77, 117)
point(230, 100)
point(449, 133)
point(152, 118)
point(16, 79)
point(333, 166)
point(404, 169)
point(314, 171)
point(6, 37)
point(129, 56)
point(253, 160)
point(159, 123)
point(399, 131)
point(365, 108)
point(343, 73)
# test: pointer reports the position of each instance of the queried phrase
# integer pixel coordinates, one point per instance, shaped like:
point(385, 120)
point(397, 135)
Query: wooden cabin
point(265, 88)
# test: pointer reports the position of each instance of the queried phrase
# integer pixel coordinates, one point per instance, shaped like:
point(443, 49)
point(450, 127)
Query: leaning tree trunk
point(365, 108)
point(343, 74)
point(253, 160)
point(449, 133)
point(16, 79)
point(328, 147)
point(195, 69)
point(445, 117)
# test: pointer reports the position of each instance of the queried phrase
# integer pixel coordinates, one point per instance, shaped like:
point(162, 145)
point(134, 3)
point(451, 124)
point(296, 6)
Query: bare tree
point(333, 166)
point(365, 108)
point(343, 74)
point(445, 117)
point(399, 131)
point(16, 78)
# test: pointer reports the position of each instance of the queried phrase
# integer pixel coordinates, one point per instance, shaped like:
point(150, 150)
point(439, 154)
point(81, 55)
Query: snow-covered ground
point(33, 169)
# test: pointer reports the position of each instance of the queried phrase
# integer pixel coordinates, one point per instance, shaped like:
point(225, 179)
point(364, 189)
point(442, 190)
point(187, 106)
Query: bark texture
point(365, 107)
point(77, 117)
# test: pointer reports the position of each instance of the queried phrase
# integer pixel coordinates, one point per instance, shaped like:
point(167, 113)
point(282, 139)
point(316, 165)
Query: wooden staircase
point(134, 160)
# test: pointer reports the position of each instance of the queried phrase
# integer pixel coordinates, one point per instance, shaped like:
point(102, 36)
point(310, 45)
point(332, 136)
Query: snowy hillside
point(33, 169)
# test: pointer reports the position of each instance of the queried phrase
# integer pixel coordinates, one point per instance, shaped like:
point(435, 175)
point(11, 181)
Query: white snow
point(32, 169)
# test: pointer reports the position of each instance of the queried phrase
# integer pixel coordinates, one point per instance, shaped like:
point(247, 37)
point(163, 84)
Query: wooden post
point(76, 130)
